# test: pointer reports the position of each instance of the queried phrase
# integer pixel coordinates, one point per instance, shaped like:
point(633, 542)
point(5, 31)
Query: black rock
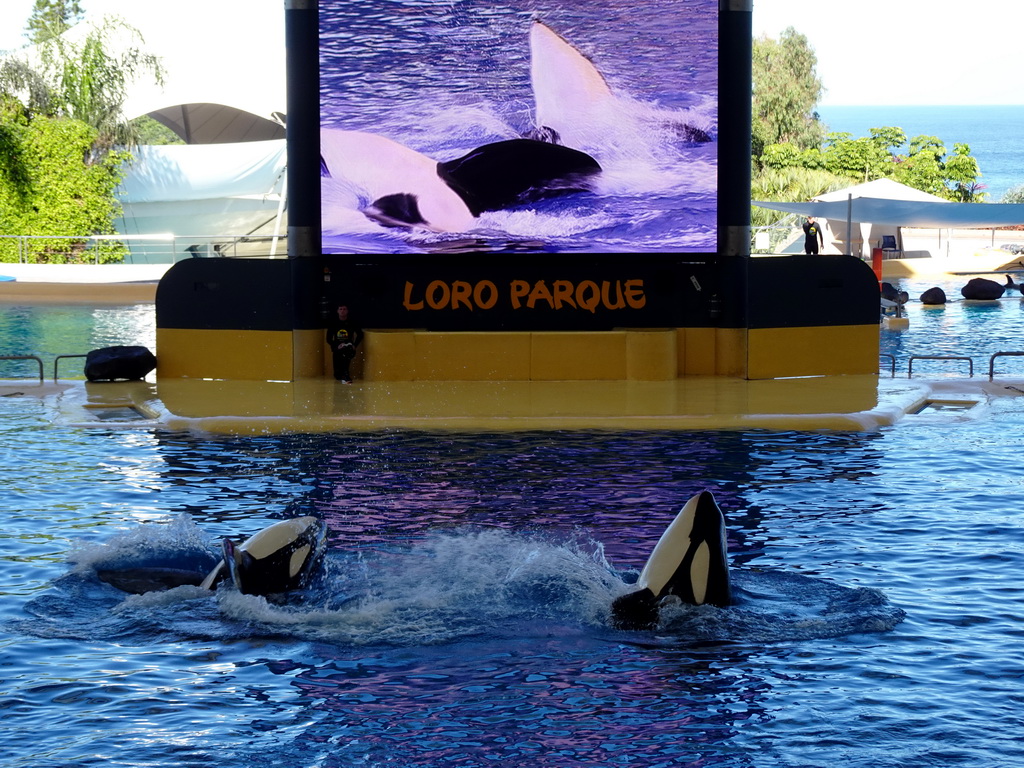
point(933, 296)
point(982, 289)
point(112, 363)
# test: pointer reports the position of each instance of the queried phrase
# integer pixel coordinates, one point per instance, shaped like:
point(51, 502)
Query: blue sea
point(995, 134)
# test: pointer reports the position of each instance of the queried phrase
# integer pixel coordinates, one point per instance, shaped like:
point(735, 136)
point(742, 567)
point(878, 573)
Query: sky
point(872, 52)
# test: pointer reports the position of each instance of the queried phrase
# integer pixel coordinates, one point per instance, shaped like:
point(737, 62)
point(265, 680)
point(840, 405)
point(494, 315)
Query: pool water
point(47, 331)
point(461, 615)
point(976, 330)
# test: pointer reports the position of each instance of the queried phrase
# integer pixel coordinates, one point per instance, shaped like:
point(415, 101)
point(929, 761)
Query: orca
point(409, 189)
point(278, 559)
point(571, 97)
point(689, 561)
point(391, 177)
point(508, 173)
point(574, 102)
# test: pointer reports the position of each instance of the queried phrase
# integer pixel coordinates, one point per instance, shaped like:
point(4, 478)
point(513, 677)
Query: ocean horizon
point(995, 134)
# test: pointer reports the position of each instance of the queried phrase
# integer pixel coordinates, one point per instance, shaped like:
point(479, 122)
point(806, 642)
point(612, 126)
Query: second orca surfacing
point(689, 561)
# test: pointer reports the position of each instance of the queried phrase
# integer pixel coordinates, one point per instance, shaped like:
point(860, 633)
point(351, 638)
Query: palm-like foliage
point(789, 185)
point(84, 77)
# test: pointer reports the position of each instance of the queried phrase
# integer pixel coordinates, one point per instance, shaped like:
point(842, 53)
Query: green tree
point(786, 93)
point(864, 158)
point(51, 18)
point(961, 176)
point(921, 163)
point(89, 79)
point(152, 132)
point(1014, 195)
point(47, 189)
point(63, 135)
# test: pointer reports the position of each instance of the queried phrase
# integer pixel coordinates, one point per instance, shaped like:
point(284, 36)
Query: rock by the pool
point(113, 363)
point(982, 289)
point(933, 296)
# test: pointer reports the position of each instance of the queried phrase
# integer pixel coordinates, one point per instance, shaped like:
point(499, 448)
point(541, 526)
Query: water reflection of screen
point(490, 121)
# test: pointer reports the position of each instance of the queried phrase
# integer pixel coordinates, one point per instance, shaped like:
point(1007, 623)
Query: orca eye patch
point(398, 210)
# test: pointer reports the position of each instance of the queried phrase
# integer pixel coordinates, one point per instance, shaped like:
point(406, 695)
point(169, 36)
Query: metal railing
point(992, 361)
point(26, 357)
point(135, 249)
point(58, 358)
point(910, 362)
point(912, 358)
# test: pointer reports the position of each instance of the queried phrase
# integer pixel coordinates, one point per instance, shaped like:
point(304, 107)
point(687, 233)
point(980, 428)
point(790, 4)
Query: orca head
point(689, 563)
point(706, 564)
point(279, 558)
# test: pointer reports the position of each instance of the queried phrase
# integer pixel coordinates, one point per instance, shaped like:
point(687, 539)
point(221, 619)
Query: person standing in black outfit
point(812, 236)
point(343, 336)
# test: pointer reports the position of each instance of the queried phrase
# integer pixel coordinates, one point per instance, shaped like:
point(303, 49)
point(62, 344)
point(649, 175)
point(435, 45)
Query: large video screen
point(518, 125)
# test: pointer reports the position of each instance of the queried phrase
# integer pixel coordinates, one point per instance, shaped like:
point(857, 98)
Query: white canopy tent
point(206, 192)
point(886, 203)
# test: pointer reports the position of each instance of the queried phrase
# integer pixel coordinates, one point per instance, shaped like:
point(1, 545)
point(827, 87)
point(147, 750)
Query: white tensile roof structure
point(884, 201)
point(224, 65)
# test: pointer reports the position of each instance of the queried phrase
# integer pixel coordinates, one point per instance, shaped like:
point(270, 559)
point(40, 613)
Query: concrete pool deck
point(80, 283)
point(845, 403)
point(864, 402)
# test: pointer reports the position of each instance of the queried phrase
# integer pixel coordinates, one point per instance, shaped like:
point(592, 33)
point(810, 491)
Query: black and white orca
point(509, 173)
point(278, 559)
point(409, 189)
point(689, 561)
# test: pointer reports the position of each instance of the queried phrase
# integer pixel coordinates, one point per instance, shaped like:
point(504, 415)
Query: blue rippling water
point(461, 616)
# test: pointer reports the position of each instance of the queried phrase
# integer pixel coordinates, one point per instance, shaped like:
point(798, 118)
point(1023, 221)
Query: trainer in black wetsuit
point(343, 336)
point(812, 236)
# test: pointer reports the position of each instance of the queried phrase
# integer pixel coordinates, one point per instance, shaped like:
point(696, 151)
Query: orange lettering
point(585, 301)
point(606, 297)
point(540, 292)
point(518, 289)
point(407, 302)
point(478, 294)
point(563, 293)
point(635, 294)
point(461, 292)
point(432, 291)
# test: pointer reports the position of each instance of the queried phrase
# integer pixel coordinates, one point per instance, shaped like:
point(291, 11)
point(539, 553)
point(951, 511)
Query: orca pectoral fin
point(637, 610)
point(218, 574)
